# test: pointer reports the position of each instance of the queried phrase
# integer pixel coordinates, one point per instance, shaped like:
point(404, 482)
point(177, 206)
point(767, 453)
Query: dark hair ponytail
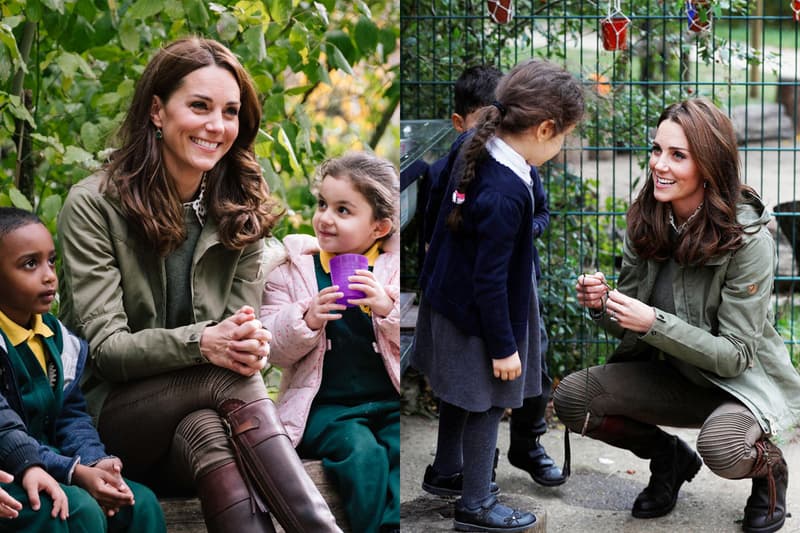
point(532, 92)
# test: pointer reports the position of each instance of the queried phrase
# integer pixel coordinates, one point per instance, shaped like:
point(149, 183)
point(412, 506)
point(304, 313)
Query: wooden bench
point(184, 515)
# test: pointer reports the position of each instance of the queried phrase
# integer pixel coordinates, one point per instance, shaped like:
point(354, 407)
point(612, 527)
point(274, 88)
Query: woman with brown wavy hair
point(693, 311)
point(164, 264)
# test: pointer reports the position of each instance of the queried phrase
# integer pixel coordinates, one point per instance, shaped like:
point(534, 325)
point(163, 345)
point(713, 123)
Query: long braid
point(533, 92)
point(473, 153)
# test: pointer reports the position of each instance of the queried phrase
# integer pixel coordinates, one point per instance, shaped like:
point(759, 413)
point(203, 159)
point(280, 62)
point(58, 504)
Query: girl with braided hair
point(478, 319)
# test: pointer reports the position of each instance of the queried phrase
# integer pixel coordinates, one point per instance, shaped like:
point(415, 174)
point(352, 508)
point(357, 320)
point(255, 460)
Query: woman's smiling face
point(676, 177)
point(199, 121)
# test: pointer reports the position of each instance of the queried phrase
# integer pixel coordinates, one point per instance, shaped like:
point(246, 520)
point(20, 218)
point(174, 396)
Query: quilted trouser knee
point(201, 442)
point(726, 441)
point(573, 400)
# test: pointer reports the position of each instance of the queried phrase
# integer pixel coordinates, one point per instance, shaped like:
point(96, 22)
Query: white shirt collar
point(508, 157)
point(198, 204)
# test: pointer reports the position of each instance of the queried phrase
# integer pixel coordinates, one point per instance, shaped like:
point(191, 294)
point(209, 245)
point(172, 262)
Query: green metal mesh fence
point(742, 55)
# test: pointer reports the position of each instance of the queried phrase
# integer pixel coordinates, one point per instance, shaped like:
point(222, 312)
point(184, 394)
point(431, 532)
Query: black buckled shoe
point(669, 468)
point(529, 455)
point(491, 516)
point(439, 485)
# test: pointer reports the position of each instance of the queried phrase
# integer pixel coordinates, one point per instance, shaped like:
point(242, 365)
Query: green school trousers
point(360, 449)
point(85, 514)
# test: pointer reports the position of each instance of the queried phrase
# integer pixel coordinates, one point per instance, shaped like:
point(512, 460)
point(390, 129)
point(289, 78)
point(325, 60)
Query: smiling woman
point(693, 311)
point(163, 268)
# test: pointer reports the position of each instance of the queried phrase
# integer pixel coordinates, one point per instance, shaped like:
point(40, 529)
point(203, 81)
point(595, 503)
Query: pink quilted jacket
point(297, 349)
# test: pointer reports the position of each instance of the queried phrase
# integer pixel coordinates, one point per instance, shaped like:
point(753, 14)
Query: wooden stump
point(184, 515)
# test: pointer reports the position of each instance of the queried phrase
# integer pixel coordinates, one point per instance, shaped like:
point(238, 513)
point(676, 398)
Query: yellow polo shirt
point(18, 334)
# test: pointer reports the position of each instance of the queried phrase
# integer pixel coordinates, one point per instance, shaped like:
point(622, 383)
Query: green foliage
point(68, 69)
point(788, 325)
point(576, 241)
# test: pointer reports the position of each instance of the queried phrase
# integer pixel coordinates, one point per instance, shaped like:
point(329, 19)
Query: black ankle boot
point(529, 455)
point(765, 511)
point(672, 464)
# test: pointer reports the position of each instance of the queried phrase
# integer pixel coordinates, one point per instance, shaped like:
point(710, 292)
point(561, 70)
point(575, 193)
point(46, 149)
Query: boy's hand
point(9, 506)
point(36, 480)
point(376, 297)
point(104, 486)
point(319, 311)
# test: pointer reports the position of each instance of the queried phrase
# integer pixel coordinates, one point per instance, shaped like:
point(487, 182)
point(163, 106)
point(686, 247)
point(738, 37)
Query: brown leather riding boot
point(275, 469)
point(765, 510)
point(227, 503)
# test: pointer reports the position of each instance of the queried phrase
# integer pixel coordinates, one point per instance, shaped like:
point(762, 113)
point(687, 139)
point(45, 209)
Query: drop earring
point(159, 134)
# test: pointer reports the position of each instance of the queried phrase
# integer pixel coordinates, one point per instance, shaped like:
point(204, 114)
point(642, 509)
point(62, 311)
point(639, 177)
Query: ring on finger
point(613, 316)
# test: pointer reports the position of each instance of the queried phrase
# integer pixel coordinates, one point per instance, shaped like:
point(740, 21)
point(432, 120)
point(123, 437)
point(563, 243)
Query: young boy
point(47, 439)
point(474, 90)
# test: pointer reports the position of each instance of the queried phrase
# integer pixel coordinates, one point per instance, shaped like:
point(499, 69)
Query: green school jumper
point(354, 423)
point(42, 404)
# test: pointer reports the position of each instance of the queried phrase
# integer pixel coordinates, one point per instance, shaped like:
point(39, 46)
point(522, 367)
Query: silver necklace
point(679, 229)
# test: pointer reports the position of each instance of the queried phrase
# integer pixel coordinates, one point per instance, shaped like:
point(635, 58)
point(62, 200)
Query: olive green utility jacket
point(113, 291)
point(723, 322)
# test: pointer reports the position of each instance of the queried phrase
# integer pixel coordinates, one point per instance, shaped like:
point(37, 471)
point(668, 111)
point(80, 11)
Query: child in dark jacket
point(477, 335)
point(47, 439)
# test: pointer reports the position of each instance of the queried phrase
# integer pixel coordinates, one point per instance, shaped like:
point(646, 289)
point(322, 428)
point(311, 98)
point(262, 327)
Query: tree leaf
point(284, 141)
point(54, 5)
point(342, 41)
point(337, 59)
point(18, 199)
point(49, 208)
point(323, 12)
point(129, 35)
point(279, 10)
point(90, 135)
point(227, 26)
point(143, 9)
point(77, 155)
point(366, 35)
point(196, 12)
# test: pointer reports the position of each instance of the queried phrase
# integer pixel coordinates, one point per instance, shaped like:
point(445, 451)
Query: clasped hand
point(104, 482)
point(239, 343)
point(594, 292)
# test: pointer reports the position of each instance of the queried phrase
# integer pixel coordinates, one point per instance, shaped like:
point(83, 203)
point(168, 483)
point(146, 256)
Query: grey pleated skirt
point(459, 369)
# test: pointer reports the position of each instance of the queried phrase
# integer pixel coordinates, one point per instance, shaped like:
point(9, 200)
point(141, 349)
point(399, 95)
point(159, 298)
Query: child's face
point(27, 272)
point(344, 221)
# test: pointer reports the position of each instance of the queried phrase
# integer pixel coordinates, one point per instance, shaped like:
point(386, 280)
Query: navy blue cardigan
point(71, 430)
point(481, 277)
point(438, 178)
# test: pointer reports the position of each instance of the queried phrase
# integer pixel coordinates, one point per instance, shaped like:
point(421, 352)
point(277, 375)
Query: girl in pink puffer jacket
point(339, 393)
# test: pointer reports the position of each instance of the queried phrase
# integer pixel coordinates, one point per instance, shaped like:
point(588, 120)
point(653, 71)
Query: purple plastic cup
point(343, 266)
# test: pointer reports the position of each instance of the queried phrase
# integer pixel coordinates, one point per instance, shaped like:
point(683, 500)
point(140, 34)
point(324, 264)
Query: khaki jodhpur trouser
point(627, 401)
point(167, 428)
